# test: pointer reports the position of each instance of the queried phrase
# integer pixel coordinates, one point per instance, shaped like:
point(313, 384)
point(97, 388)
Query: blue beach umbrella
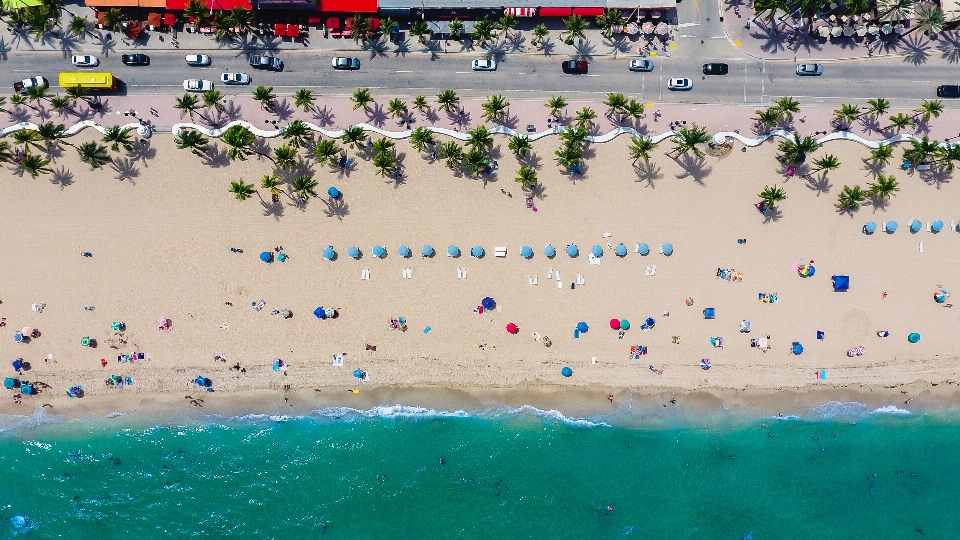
point(453, 251)
point(650, 322)
point(18, 337)
point(596, 250)
point(379, 252)
point(566, 372)
point(333, 192)
point(572, 250)
point(892, 226)
point(476, 251)
point(26, 389)
point(357, 373)
point(266, 257)
point(427, 250)
point(913, 337)
point(582, 326)
point(329, 253)
point(353, 252)
point(621, 250)
point(526, 252)
point(488, 303)
point(644, 249)
point(9, 382)
point(549, 251)
point(870, 227)
point(797, 348)
point(937, 226)
point(668, 249)
point(915, 225)
point(403, 251)
point(320, 314)
point(18, 364)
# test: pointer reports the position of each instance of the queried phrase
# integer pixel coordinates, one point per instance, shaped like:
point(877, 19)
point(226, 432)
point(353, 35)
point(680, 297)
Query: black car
point(574, 66)
point(948, 90)
point(135, 59)
point(715, 69)
point(266, 62)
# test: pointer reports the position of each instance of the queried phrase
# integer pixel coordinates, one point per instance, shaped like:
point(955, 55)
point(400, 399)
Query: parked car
point(948, 90)
point(715, 69)
point(679, 84)
point(484, 65)
point(342, 62)
point(135, 59)
point(235, 78)
point(810, 69)
point(640, 65)
point(85, 60)
point(21, 87)
point(198, 60)
point(197, 85)
point(574, 66)
point(266, 62)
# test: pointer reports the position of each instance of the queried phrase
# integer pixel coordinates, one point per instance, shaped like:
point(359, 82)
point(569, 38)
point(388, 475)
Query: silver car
point(85, 61)
point(198, 60)
point(197, 85)
point(679, 84)
point(342, 62)
point(235, 78)
point(640, 65)
point(809, 69)
point(485, 65)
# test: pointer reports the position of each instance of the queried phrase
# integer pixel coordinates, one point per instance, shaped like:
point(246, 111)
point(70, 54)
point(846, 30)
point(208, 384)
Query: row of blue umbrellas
point(915, 226)
point(478, 252)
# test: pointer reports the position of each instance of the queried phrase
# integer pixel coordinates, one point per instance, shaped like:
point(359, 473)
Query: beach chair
point(883, 227)
point(745, 326)
point(500, 251)
point(653, 270)
point(661, 249)
point(953, 225)
point(929, 227)
point(648, 269)
point(709, 313)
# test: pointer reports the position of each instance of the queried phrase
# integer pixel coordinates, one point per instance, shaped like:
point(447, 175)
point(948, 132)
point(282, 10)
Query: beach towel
point(260, 305)
point(338, 360)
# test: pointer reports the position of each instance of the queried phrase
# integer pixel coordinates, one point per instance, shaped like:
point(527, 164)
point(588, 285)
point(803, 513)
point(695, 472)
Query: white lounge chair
point(929, 227)
point(653, 270)
point(648, 269)
point(883, 227)
point(500, 251)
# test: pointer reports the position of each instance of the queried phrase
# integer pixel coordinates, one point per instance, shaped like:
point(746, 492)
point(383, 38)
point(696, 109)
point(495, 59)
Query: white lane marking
point(402, 71)
point(684, 25)
point(462, 72)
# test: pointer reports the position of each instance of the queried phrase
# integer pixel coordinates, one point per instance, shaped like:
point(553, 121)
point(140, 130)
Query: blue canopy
point(18, 337)
point(379, 252)
point(333, 192)
point(266, 256)
point(892, 226)
point(650, 322)
point(621, 250)
point(797, 348)
point(319, 313)
point(644, 249)
point(566, 372)
point(329, 253)
point(549, 251)
point(353, 252)
point(667, 248)
point(403, 251)
point(596, 250)
point(476, 251)
point(526, 252)
point(582, 326)
point(840, 283)
point(453, 251)
point(357, 373)
point(427, 250)
point(9, 382)
point(488, 303)
point(26, 389)
point(572, 250)
point(870, 227)
point(915, 225)
point(937, 226)
point(18, 364)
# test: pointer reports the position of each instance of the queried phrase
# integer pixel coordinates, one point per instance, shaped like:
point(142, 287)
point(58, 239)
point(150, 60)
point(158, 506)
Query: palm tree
point(507, 23)
point(285, 157)
point(921, 150)
point(494, 107)
point(28, 138)
point(396, 108)
point(569, 156)
point(688, 138)
point(6, 154)
point(35, 165)
point(383, 144)
point(213, 98)
point(793, 150)
point(359, 27)
point(117, 137)
point(304, 98)
point(76, 92)
point(37, 94)
point(575, 27)
point(770, 8)
point(929, 18)
point(456, 29)
point(94, 154)
point(877, 107)
point(483, 30)
point(192, 139)
point(520, 145)
point(884, 188)
point(556, 104)
point(640, 147)
point(241, 190)
point(540, 32)
point(452, 152)
point(52, 134)
point(788, 107)
point(772, 195)
point(479, 137)
point(271, 182)
point(474, 160)
point(899, 121)
point(584, 118)
point(447, 100)
point(79, 26)
point(353, 136)
point(420, 102)
point(196, 10)
point(768, 117)
point(895, 10)
point(526, 177)
point(846, 114)
point(574, 136)
point(112, 19)
point(945, 155)
point(326, 150)
point(421, 138)
point(633, 109)
point(298, 133)
point(616, 103)
point(59, 103)
point(238, 139)
point(880, 155)
point(385, 163)
point(264, 95)
point(188, 104)
point(304, 186)
point(362, 98)
point(826, 164)
point(850, 198)
point(929, 108)
point(421, 31)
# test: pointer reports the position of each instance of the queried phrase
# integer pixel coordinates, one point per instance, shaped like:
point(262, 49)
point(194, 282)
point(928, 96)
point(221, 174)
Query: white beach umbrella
point(873, 29)
point(862, 31)
point(899, 28)
point(848, 31)
point(886, 29)
point(824, 31)
point(836, 31)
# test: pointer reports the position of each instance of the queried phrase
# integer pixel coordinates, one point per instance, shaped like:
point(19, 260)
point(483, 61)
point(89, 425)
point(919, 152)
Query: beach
point(160, 239)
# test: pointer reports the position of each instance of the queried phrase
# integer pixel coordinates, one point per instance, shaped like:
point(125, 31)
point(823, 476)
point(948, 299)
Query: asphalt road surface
point(748, 82)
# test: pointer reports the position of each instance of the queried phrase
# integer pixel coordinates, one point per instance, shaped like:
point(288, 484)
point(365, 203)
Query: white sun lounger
point(653, 270)
point(648, 269)
point(500, 251)
point(929, 227)
point(883, 227)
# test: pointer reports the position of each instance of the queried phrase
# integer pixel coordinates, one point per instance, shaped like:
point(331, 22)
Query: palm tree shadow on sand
point(336, 208)
point(819, 183)
point(694, 167)
point(142, 152)
point(125, 169)
point(772, 214)
point(936, 177)
point(62, 177)
point(649, 172)
point(537, 191)
point(271, 208)
point(879, 204)
point(216, 157)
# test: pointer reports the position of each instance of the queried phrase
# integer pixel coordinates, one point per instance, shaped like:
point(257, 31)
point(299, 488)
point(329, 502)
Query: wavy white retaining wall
point(143, 131)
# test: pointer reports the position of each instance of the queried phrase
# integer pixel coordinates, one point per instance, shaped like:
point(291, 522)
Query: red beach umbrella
point(615, 324)
point(512, 328)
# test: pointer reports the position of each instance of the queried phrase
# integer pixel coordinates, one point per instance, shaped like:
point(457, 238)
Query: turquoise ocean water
point(505, 473)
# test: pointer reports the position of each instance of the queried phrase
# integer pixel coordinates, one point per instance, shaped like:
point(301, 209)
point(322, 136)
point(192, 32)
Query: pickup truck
point(21, 87)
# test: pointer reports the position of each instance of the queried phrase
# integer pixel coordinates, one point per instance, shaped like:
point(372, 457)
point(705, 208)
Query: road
point(521, 75)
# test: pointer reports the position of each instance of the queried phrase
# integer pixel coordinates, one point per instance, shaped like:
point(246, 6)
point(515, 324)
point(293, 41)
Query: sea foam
point(833, 409)
point(13, 422)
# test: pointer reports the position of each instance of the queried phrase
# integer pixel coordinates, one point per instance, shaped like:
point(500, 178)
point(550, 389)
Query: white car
point(85, 61)
point(235, 78)
point(679, 84)
point(197, 85)
point(342, 62)
point(198, 60)
point(809, 69)
point(641, 65)
point(484, 65)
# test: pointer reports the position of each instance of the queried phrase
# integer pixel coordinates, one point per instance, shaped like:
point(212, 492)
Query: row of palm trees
point(924, 15)
point(49, 137)
point(786, 107)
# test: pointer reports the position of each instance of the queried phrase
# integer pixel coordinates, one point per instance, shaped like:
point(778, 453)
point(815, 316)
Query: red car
point(574, 66)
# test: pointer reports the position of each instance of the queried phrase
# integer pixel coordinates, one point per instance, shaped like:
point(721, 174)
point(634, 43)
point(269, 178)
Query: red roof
point(215, 4)
point(348, 6)
point(554, 12)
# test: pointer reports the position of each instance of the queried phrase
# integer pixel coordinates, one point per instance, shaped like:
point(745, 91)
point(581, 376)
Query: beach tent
point(840, 283)
point(526, 252)
point(649, 323)
point(745, 326)
point(353, 252)
point(379, 252)
point(453, 251)
point(320, 313)
point(644, 249)
point(621, 250)
point(488, 303)
point(566, 372)
point(892, 226)
point(476, 251)
point(667, 249)
point(572, 250)
point(596, 250)
point(403, 251)
point(549, 251)
point(266, 257)
point(870, 228)
point(329, 253)
point(427, 251)
point(18, 364)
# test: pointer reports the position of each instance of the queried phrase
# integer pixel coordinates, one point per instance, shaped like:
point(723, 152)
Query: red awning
point(169, 19)
point(555, 12)
point(520, 12)
point(588, 11)
point(279, 30)
point(214, 4)
point(155, 20)
point(348, 6)
point(333, 23)
point(293, 30)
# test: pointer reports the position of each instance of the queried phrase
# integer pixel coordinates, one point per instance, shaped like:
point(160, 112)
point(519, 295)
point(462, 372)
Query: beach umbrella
point(427, 250)
point(615, 324)
point(644, 249)
point(353, 252)
point(357, 373)
point(27, 331)
point(18, 364)
point(487, 303)
point(870, 227)
point(892, 226)
point(572, 250)
point(582, 327)
point(899, 28)
point(512, 328)
point(549, 251)
point(632, 28)
point(915, 225)
point(824, 31)
point(668, 249)
point(862, 31)
point(650, 323)
point(333, 192)
point(453, 251)
point(836, 31)
point(403, 251)
point(379, 252)
point(941, 296)
point(624, 324)
point(329, 312)
point(566, 372)
point(886, 29)
point(26, 389)
point(9, 382)
point(85, 342)
point(286, 314)
point(526, 252)
point(662, 29)
point(937, 226)
point(329, 253)
point(797, 348)
point(848, 31)
point(913, 337)
point(596, 250)
point(319, 313)
point(621, 250)
point(647, 27)
point(266, 257)
point(18, 337)
point(476, 251)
